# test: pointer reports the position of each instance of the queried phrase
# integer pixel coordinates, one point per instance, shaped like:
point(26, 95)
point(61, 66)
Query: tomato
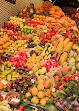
point(49, 30)
point(45, 40)
point(41, 39)
point(44, 37)
point(57, 33)
point(55, 30)
point(52, 26)
point(74, 36)
point(52, 34)
point(61, 82)
point(18, 26)
point(48, 34)
point(15, 33)
point(67, 36)
point(19, 34)
point(70, 38)
point(11, 23)
point(71, 34)
point(58, 87)
point(71, 29)
point(49, 38)
point(3, 27)
point(14, 26)
point(73, 43)
point(5, 23)
point(67, 79)
point(20, 108)
point(75, 40)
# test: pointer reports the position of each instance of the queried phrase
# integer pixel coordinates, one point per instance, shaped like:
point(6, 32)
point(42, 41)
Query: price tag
point(4, 82)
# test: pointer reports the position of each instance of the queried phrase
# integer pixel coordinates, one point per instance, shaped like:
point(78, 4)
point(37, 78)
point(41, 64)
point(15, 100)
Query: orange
point(47, 84)
point(48, 92)
point(1, 51)
point(0, 47)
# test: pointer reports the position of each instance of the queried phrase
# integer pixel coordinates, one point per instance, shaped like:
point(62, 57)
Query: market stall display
point(39, 61)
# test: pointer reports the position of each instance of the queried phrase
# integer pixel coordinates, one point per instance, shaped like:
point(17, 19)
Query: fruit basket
point(39, 60)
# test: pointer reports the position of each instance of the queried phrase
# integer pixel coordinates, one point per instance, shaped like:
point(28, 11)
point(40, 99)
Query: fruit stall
point(39, 58)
